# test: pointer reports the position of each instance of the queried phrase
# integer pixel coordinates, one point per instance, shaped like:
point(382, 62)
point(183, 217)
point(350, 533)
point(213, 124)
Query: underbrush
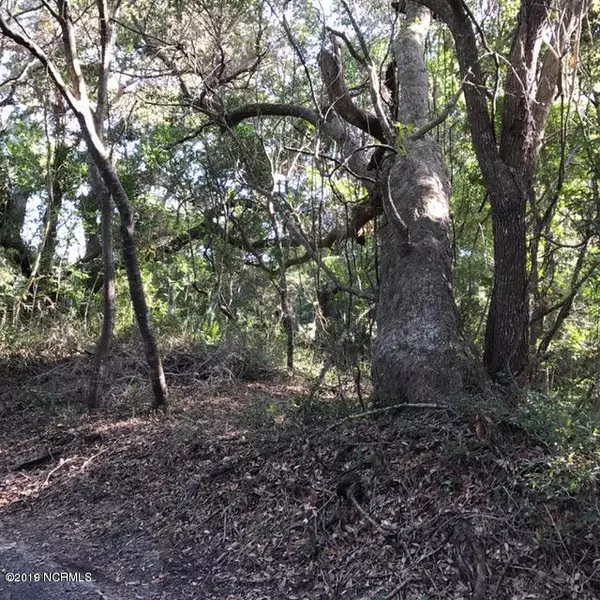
point(564, 470)
point(48, 339)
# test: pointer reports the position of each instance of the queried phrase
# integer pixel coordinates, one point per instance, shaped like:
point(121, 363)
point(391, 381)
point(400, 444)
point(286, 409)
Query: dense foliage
point(217, 257)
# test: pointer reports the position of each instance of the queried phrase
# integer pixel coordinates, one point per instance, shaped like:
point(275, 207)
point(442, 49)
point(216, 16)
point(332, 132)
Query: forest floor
point(238, 494)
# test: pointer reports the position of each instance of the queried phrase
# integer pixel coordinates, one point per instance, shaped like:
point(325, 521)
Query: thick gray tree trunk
point(420, 353)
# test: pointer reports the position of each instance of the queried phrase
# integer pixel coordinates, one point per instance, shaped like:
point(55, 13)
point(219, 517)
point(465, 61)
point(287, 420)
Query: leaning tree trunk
point(116, 191)
point(134, 276)
point(108, 294)
point(78, 101)
point(420, 353)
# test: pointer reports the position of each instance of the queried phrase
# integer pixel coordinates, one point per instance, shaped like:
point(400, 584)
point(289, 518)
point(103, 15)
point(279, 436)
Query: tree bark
point(108, 294)
point(420, 354)
point(134, 276)
point(13, 204)
point(507, 329)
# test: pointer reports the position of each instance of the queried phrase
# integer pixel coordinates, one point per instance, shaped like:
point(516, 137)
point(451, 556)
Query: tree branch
point(48, 65)
point(266, 109)
point(70, 47)
point(296, 230)
point(375, 86)
point(340, 98)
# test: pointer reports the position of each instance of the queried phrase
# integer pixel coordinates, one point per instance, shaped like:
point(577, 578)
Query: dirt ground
point(236, 494)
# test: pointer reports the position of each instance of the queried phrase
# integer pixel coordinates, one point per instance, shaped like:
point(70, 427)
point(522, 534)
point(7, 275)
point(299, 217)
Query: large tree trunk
point(420, 354)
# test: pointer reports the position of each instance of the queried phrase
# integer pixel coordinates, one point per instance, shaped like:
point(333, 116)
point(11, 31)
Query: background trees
point(290, 173)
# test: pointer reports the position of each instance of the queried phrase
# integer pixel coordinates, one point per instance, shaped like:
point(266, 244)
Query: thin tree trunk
point(134, 277)
point(576, 282)
point(130, 260)
point(88, 209)
point(79, 102)
point(51, 223)
point(287, 312)
point(109, 294)
point(55, 190)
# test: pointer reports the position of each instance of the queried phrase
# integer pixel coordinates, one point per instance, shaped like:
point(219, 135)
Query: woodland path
point(15, 559)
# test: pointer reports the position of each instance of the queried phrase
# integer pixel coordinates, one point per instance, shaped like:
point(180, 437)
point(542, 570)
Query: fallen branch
point(37, 462)
point(62, 463)
point(364, 513)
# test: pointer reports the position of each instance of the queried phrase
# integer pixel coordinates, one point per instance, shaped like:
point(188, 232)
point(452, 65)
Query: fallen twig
point(62, 463)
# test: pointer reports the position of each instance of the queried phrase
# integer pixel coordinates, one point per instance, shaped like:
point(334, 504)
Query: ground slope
point(238, 494)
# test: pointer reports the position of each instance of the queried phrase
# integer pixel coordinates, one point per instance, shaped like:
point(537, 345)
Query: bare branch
point(455, 15)
point(375, 85)
point(359, 35)
point(448, 110)
point(355, 54)
point(392, 212)
point(49, 66)
point(107, 41)
point(300, 56)
point(14, 81)
point(296, 229)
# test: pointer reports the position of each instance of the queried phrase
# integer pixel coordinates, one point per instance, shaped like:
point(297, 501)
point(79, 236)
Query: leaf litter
point(233, 496)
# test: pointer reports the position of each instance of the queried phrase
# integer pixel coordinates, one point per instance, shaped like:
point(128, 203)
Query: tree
point(508, 161)
point(78, 100)
point(284, 143)
point(420, 352)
